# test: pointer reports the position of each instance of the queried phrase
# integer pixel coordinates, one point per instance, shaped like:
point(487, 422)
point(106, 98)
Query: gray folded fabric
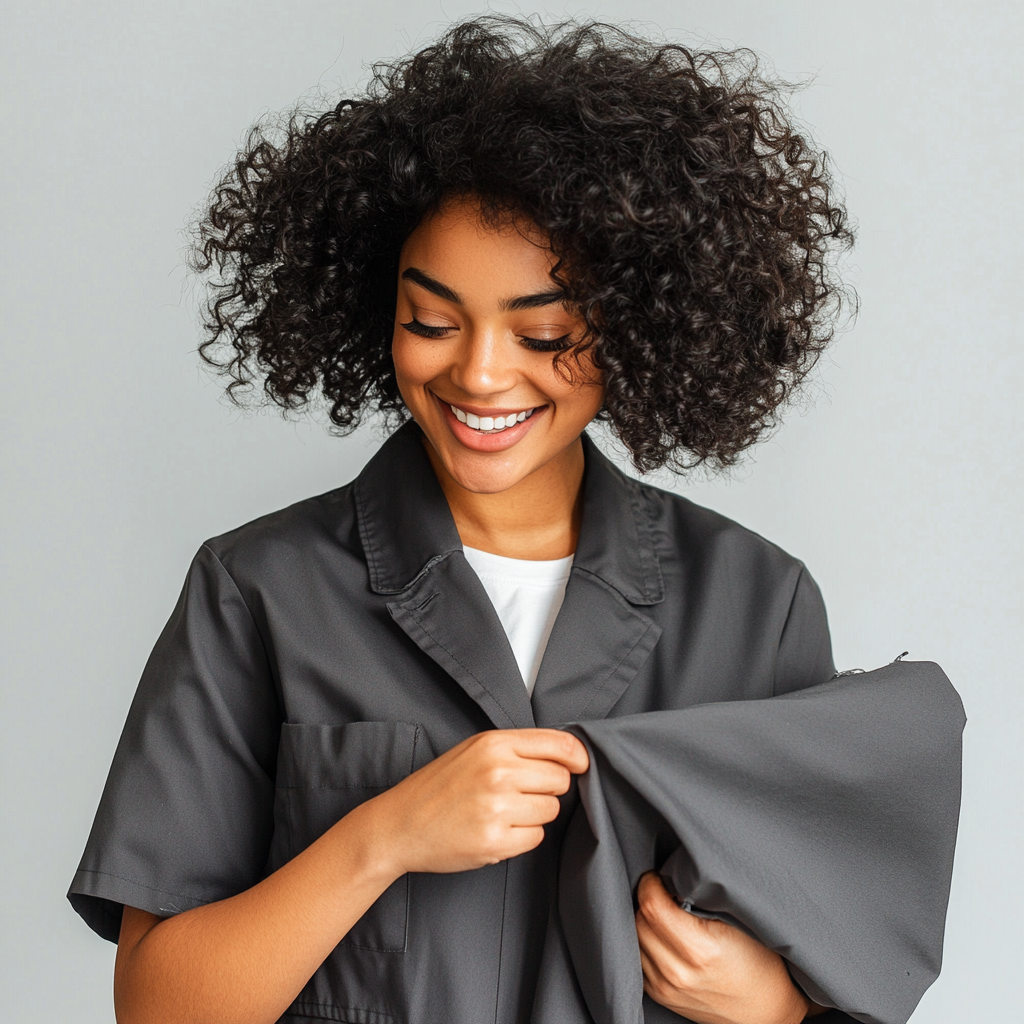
point(823, 822)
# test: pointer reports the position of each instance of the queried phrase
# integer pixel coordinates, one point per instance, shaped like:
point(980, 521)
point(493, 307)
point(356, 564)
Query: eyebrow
point(412, 274)
point(506, 305)
point(532, 301)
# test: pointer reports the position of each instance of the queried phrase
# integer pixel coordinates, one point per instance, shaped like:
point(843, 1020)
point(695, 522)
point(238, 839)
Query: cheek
point(415, 363)
point(579, 388)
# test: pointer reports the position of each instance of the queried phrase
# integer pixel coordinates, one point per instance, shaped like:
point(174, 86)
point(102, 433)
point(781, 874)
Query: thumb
point(661, 911)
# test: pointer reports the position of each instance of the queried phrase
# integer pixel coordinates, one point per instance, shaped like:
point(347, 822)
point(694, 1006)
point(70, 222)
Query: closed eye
point(547, 344)
point(425, 330)
point(414, 326)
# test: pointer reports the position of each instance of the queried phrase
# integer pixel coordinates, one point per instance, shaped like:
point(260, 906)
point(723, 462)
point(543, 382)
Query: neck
point(537, 518)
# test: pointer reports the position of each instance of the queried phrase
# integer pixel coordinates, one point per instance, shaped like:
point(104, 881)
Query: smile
point(490, 424)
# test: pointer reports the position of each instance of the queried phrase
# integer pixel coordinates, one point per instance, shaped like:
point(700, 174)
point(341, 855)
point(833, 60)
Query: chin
point(486, 479)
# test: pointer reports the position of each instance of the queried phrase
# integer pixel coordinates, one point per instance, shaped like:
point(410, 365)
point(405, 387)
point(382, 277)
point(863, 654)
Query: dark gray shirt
point(320, 654)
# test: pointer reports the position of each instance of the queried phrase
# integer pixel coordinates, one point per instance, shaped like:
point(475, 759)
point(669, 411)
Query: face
point(477, 325)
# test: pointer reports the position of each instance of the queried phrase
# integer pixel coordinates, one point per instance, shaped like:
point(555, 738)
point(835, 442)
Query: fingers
point(514, 810)
point(663, 915)
point(522, 840)
point(548, 777)
point(535, 809)
point(664, 985)
point(552, 745)
point(484, 800)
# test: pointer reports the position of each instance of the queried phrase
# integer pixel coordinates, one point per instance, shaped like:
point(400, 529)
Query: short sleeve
point(805, 648)
point(186, 816)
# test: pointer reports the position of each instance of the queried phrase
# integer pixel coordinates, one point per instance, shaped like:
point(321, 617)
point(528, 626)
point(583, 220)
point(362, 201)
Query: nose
point(485, 362)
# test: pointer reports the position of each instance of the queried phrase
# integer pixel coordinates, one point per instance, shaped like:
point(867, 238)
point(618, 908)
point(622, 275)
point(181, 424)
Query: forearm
point(245, 959)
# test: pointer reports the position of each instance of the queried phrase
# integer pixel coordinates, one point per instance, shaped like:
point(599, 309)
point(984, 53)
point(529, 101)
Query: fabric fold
point(821, 821)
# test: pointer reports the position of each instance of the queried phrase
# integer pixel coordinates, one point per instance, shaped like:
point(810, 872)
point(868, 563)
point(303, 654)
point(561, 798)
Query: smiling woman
point(475, 327)
point(692, 227)
point(345, 790)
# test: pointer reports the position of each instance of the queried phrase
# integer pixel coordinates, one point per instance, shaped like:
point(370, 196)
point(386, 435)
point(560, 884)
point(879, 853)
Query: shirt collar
point(406, 526)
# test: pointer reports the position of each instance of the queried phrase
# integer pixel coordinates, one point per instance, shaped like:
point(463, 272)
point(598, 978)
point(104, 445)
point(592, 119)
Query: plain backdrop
point(898, 482)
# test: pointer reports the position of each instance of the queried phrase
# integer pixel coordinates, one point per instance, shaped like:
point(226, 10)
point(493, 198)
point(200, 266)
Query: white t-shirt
point(526, 595)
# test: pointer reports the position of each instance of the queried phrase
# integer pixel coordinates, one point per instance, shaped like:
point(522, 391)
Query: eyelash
point(535, 344)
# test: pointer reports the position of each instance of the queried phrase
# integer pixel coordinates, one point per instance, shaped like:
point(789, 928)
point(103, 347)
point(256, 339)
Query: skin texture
point(243, 960)
point(709, 971)
point(522, 500)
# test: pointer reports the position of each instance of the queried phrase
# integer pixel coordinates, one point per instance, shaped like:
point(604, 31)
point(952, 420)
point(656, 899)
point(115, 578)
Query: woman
point(338, 792)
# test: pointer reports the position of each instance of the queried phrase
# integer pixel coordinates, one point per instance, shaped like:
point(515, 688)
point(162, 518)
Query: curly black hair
point(693, 225)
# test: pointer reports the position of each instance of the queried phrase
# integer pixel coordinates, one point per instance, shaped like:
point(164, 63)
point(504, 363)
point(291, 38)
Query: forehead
point(473, 255)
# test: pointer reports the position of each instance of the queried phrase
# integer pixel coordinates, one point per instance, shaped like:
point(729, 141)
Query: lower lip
point(499, 442)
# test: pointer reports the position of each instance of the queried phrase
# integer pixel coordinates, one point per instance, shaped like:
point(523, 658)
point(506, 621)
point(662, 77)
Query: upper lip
point(482, 410)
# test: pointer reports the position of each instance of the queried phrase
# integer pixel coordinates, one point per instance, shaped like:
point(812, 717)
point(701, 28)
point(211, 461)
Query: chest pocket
point(323, 772)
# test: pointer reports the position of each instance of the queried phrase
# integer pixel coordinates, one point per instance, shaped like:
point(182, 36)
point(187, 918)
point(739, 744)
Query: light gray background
point(900, 487)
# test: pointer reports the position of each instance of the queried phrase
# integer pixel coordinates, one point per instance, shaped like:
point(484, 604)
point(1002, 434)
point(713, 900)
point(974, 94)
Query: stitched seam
point(141, 885)
point(634, 507)
point(364, 535)
point(463, 667)
point(372, 949)
point(326, 1011)
point(501, 945)
point(649, 561)
point(789, 615)
point(611, 675)
point(245, 604)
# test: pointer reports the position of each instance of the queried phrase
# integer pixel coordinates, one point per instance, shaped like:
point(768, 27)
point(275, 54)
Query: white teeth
point(490, 424)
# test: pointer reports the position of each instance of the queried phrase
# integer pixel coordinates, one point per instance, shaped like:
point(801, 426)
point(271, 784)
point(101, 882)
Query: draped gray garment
point(833, 804)
point(322, 653)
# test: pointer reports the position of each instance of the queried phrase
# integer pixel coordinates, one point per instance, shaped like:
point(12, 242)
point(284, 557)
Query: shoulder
point(291, 540)
point(753, 602)
point(690, 538)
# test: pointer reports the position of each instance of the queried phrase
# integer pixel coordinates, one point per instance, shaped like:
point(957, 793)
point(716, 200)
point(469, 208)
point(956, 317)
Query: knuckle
point(648, 904)
point(492, 741)
point(705, 954)
point(493, 808)
point(676, 977)
point(492, 836)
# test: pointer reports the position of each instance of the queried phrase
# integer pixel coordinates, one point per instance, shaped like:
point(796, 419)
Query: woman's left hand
point(707, 970)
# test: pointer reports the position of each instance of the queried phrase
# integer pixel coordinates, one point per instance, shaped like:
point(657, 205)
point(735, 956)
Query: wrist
point(372, 838)
point(796, 1004)
point(806, 1008)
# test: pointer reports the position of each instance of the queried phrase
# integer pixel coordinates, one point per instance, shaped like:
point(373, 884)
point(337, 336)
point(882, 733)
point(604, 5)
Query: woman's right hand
point(483, 801)
point(246, 957)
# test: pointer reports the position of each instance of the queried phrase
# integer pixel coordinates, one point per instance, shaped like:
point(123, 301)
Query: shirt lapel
point(597, 646)
point(450, 617)
point(414, 555)
point(600, 639)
